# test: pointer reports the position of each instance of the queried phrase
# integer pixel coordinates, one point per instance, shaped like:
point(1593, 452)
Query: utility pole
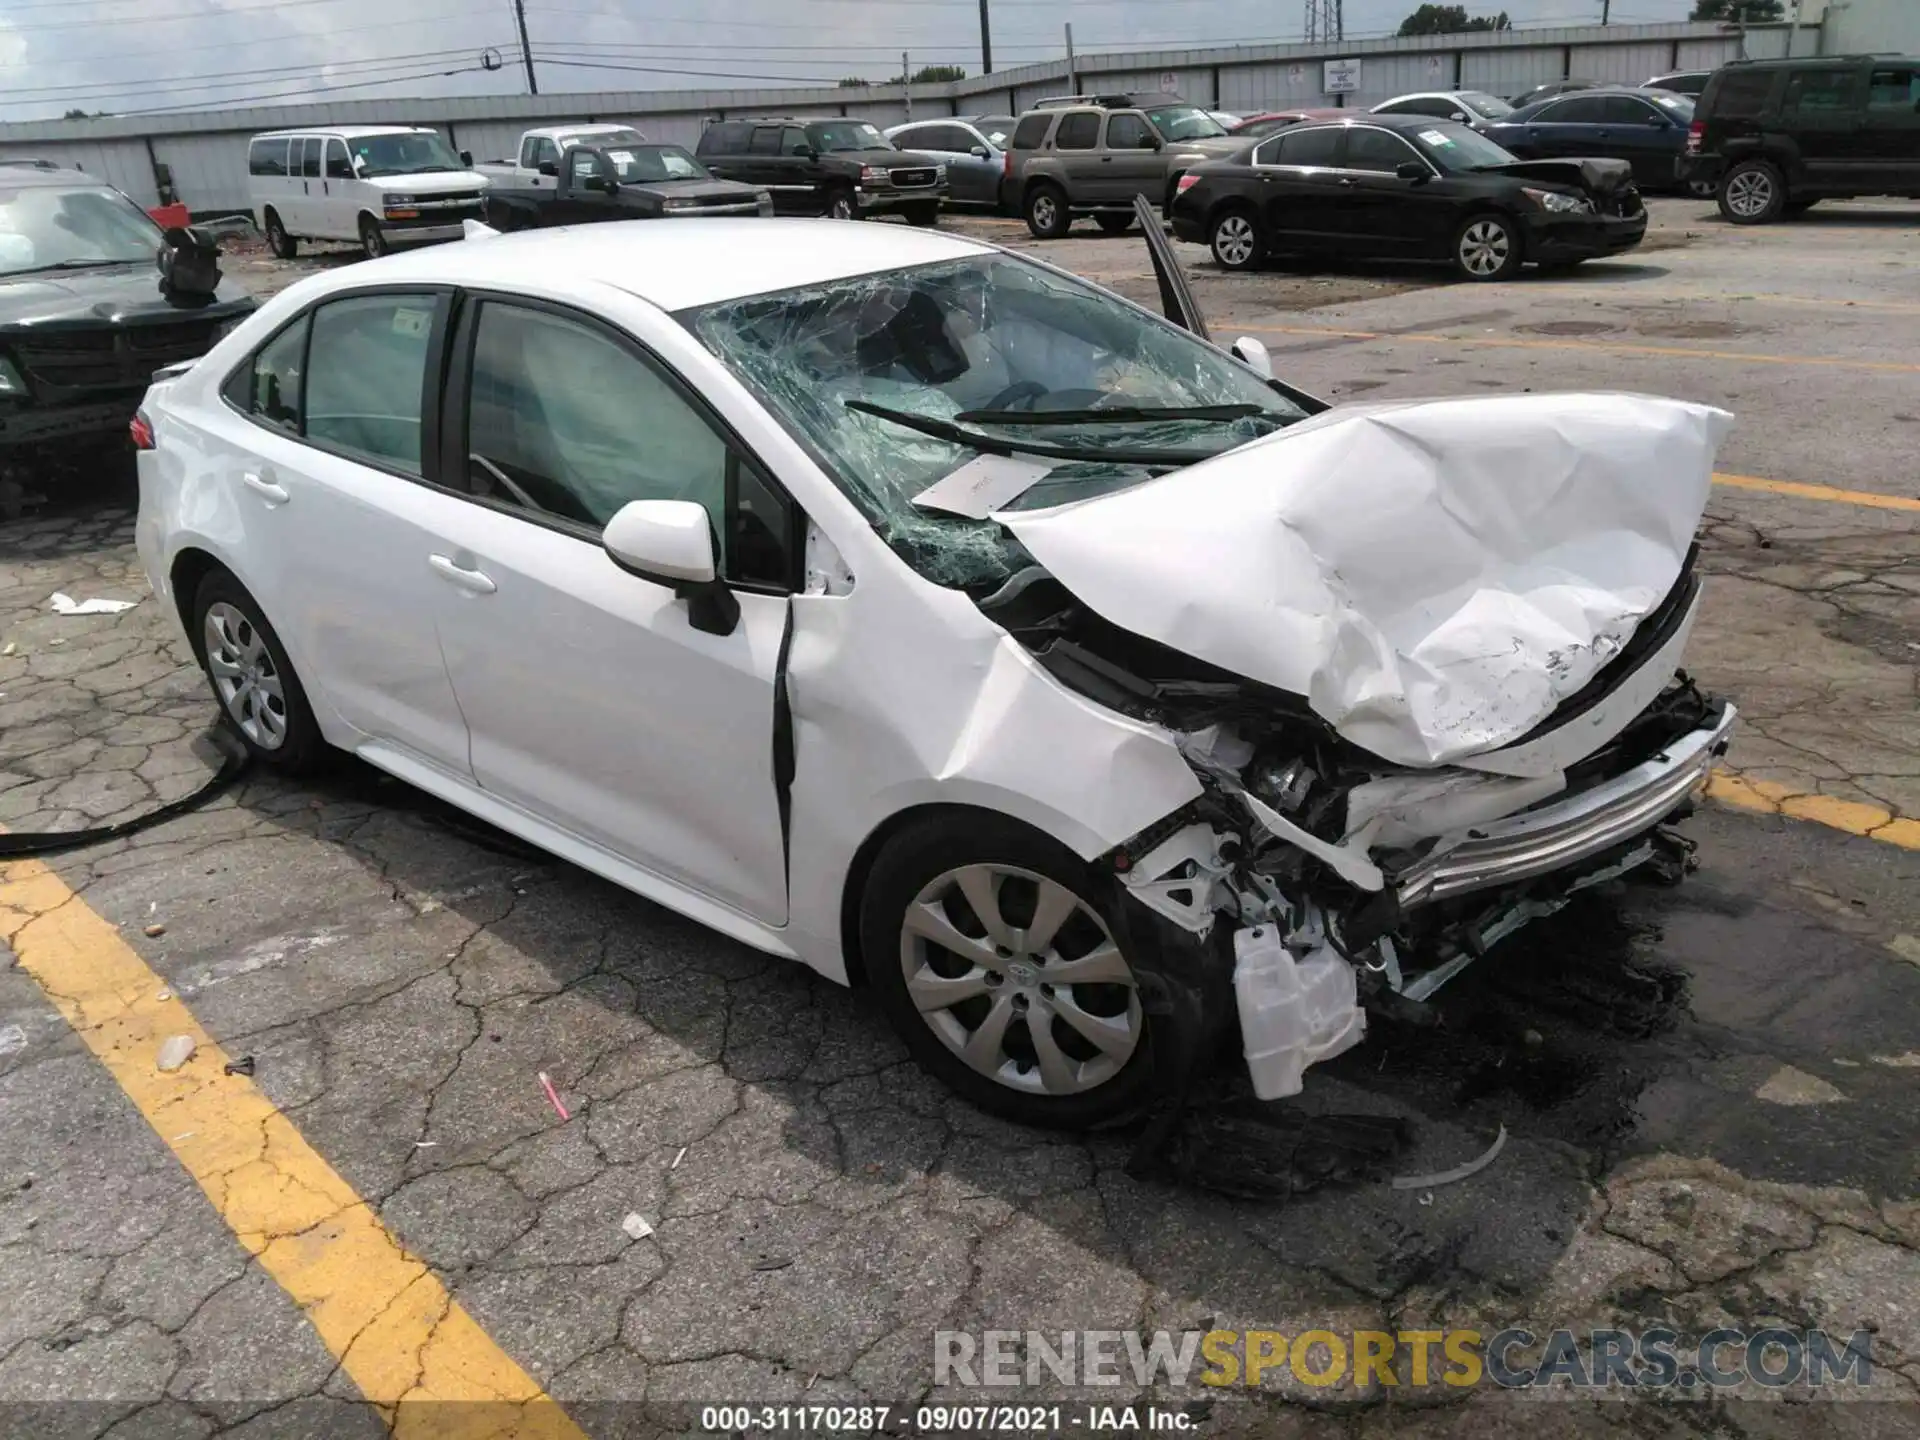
point(986, 41)
point(906, 82)
point(526, 50)
point(1606, 11)
point(1793, 27)
point(1073, 79)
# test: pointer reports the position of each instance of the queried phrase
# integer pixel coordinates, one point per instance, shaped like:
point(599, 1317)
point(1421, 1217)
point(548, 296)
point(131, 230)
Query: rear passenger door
point(1076, 149)
point(1820, 113)
point(1890, 140)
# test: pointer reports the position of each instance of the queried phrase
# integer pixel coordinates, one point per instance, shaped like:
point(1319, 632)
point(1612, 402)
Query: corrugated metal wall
point(207, 152)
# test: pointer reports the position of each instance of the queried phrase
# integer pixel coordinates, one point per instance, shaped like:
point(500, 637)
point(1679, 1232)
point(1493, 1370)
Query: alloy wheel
point(1750, 193)
point(245, 676)
point(1020, 977)
point(841, 208)
point(1045, 213)
point(1485, 247)
point(1234, 241)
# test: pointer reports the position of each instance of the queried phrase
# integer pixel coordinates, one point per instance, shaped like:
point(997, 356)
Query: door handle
point(1106, 159)
point(1348, 180)
point(472, 581)
point(265, 488)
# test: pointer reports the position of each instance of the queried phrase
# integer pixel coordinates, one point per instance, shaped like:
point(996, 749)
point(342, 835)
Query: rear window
point(1031, 130)
point(1740, 94)
point(726, 138)
point(267, 157)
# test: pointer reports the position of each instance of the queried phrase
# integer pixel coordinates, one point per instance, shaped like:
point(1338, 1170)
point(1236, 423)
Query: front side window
point(1078, 131)
point(834, 136)
point(954, 341)
point(1369, 149)
point(1127, 132)
point(793, 141)
point(417, 152)
point(42, 228)
point(545, 152)
point(366, 376)
point(339, 167)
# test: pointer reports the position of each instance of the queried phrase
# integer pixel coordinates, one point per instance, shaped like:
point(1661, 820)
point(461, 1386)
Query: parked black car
point(1411, 188)
point(1775, 137)
point(1646, 128)
point(843, 168)
point(85, 319)
point(625, 182)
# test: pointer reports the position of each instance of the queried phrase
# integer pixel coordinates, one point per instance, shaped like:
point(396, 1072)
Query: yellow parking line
point(1871, 498)
point(1764, 297)
point(1769, 797)
point(1599, 347)
point(385, 1316)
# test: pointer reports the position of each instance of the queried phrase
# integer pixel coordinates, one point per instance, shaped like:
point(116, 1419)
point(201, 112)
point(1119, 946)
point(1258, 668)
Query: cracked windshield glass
point(994, 356)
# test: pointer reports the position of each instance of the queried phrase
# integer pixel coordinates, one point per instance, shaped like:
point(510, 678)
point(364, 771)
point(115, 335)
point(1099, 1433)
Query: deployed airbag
point(1433, 576)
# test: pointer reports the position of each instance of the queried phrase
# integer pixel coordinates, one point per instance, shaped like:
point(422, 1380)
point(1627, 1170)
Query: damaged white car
point(918, 611)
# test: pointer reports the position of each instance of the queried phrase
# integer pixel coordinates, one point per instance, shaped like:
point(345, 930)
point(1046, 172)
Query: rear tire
point(283, 245)
point(1487, 247)
point(1040, 1066)
point(1046, 211)
point(260, 697)
point(1114, 224)
point(1234, 237)
point(373, 239)
point(1752, 193)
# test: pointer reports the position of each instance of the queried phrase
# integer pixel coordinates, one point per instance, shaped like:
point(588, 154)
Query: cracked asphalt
point(1708, 1091)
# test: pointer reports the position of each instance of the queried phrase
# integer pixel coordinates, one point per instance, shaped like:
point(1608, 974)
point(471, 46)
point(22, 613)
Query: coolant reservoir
point(1293, 1013)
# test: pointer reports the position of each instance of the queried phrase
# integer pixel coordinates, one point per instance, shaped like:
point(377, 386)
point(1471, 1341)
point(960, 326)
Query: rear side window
point(267, 157)
point(1894, 88)
point(1031, 130)
point(727, 138)
point(310, 157)
point(1306, 147)
point(1741, 94)
point(1815, 93)
point(268, 386)
point(366, 374)
point(1078, 131)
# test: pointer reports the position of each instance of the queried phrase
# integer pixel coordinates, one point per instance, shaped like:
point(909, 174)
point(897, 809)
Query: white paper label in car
point(982, 485)
point(1434, 137)
point(620, 157)
point(412, 323)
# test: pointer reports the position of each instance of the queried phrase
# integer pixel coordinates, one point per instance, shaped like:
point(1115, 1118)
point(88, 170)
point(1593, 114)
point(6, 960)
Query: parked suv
point(1776, 137)
point(845, 169)
point(1091, 154)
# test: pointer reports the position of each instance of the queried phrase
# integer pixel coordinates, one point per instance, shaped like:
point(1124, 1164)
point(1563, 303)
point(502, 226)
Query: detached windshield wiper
point(93, 264)
point(1110, 415)
point(999, 445)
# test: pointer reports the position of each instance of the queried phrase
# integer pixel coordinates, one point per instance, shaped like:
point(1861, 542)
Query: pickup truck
point(537, 162)
point(621, 182)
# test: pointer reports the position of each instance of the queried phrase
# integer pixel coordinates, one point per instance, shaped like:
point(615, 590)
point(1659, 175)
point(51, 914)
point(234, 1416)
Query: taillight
point(1185, 183)
point(1696, 133)
point(140, 430)
point(1006, 164)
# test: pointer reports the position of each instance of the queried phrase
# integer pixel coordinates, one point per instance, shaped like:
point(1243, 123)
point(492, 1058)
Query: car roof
point(1367, 117)
point(29, 174)
point(690, 262)
point(345, 132)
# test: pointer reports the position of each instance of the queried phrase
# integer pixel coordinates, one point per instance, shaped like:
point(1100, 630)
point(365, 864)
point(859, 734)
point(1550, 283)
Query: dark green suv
point(1776, 137)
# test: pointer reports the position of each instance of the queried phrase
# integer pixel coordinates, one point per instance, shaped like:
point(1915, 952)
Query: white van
point(382, 185)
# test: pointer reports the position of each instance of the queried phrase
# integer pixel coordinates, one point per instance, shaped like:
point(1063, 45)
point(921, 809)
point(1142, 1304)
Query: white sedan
point(918, 611)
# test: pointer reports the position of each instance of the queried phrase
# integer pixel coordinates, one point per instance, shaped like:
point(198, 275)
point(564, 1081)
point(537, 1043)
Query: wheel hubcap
point(842, 208)
point(1484, 248)
point(1233, 240)
point(245, 676)
point(1043, 212)
point(1021, 979)
point(1749, 193)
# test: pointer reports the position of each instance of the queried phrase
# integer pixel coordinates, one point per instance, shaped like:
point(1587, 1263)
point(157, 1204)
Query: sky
point(126, 56)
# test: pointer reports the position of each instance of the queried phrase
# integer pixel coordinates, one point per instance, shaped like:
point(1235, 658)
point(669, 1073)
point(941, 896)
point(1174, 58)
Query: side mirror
point(1251, 353)
point(466, 158)
point(1412, 170)
point(979, 152)
point(1456, 115)
point(670, 542)
point(807, 152)
point(547, 167)
point(1150, 142)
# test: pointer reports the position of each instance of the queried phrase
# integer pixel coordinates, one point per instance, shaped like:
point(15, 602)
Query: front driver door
point(592, 700)
point(1384, 213)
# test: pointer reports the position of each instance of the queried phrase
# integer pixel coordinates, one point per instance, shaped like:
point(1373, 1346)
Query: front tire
point(260, 697)
point(373, 239)
point(1752, 193)
point(1488, 247)
point(1235, 239)
point(1047, 214)
point(283, 245)
point(841, 204)
point(990, 949)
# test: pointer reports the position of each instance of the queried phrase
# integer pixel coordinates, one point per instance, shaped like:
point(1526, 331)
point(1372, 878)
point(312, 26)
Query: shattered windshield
point(957, 343)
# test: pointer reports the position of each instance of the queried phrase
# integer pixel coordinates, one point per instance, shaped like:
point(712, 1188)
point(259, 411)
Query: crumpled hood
point(1435, 577)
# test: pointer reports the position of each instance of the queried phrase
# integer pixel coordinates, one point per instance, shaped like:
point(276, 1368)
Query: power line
point(312, 90)
point(146, 56)
point(170, 16)
point(190, 82)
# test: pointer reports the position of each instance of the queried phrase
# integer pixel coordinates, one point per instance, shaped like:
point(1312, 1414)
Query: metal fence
point(202, 156)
